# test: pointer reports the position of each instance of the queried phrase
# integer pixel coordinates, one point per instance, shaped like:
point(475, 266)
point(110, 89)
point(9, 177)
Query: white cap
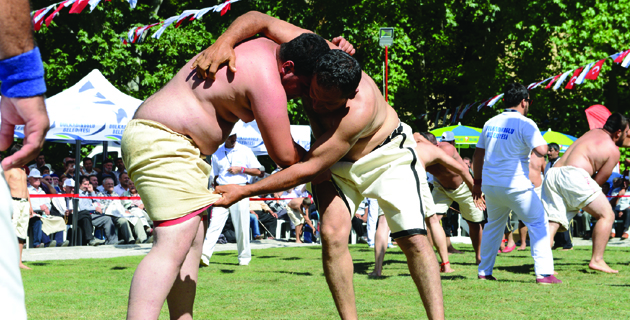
point(68, 183)
point(35, 174)
point(448, 136)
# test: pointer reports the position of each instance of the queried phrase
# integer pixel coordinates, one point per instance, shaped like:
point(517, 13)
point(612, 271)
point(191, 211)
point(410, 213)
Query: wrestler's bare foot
point(453, 250)
point(446, 269)
point(374, 274)
point(298, 241)
point(478, 262)
point(601, 266)
point(521, 248)
point(25, 267)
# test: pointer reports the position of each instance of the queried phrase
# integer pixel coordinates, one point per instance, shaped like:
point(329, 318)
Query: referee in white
point(501, 159)
point(232, 163)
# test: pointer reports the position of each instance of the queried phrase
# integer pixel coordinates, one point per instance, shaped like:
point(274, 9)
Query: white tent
point(91, 111)
point(248, 134)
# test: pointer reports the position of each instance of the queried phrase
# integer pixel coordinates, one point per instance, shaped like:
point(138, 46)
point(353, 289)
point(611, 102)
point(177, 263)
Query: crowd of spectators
point(100, 220)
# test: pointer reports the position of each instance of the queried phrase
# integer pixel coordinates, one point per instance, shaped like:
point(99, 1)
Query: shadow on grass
point(296, 273)
point(362, 267)
point(453, 277)
point(226, 271)
point(619, 285)
point(381, 277)
point(524, 269)
point(119, 268)
point(265, 257)
point(223, 254)
point(291, 258)
point(38, 263)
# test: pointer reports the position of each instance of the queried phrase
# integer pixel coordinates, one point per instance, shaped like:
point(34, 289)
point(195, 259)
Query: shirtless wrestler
point(449, 186)
point(164, 145)
point(16, 178)
point(573, 183)
point(369, 152)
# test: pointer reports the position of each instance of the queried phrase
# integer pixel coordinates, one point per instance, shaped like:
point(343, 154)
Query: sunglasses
point(530, 101)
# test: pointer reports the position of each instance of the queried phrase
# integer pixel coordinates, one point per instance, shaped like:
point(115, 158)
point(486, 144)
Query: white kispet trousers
point(528, 206)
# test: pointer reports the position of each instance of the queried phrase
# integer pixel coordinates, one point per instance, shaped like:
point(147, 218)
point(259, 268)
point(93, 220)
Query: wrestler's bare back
point(16, 178)
point(447, 178)
point(591, 152)
point(369, 107)
point(206, 110)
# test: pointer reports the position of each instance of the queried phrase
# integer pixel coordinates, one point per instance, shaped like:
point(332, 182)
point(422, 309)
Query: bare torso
point(594, 152)
point(382, 119)
point(16, 178)
point(447, 178)
point(206, 110)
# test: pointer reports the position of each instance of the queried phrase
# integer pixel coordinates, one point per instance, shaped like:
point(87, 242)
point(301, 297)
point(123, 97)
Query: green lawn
point(288, 283)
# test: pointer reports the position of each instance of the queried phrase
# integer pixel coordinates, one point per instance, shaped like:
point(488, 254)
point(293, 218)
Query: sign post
point(386, 39)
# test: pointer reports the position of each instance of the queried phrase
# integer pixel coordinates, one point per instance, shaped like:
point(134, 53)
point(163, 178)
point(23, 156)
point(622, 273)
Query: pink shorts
point(167, 223)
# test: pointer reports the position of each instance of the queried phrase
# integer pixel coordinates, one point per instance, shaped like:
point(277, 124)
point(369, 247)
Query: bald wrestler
point(369, 152)
point(573, 183)
point(164, 147)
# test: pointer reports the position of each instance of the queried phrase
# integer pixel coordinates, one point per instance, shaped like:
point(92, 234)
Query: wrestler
point(22, 103)
point(573, 183)
point(370, 154)
point(451, 186)
point(163, 148)
point(16, 178)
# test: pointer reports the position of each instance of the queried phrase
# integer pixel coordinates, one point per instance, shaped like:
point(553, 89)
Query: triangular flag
point(132, 3)
point(454, 115)
point(551, 82)
point(93, 4)
point(226, 8)
point(594, 72)
point(445, 114)
point(621, 56)
point(494, 100)
point(561, 80)
point(483, 104)
point(571, 83)
point(184, 15)
point(167, 23)
point(541, 82)
point(203, 11)
point(38, 17)
point(580, 79)
point(55, 13)
point(626, 61)
point(78, 6)
point(465, 111)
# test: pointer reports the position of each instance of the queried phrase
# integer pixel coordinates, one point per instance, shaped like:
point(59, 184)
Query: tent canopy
point(464, 135)
point(91, 111)
point(248, 135)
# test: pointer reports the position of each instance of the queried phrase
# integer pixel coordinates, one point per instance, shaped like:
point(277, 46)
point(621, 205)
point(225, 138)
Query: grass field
point(288, 283)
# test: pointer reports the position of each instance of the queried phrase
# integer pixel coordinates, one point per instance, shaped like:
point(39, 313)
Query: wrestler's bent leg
point(602, 211)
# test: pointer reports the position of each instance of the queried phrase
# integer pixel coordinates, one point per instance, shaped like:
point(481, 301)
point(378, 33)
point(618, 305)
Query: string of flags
point(138, 34)
point(77, 7)
point(576, 77)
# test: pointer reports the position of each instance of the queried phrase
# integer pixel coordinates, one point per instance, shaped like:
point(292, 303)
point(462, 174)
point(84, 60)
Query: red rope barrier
point(64, 195)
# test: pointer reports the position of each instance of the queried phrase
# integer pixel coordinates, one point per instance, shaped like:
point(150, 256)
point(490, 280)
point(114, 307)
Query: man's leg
point(626, 223)
point(553, 229)
point(37, 231)
point(439, 240)
point(493, 230)
point(182, 296)
point(269, 222)
point(124, 231)
point(338, 267)
point(522, 232)
point(380, 246)
point(141, 235)
point(105, 222)
point(170, 258)
point(602, 211)
point(240, 218)
point(298, 233)
point(253, 224)
point(425, 273)
point(476, 230)
point(219, 217)
point(371, 225)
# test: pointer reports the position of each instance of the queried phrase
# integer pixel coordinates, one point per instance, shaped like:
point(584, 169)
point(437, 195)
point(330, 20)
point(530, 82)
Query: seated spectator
point(119, 215)
point(108, 166)
point(84, 221)
point(69, 168)
point(40, 161)
point(253, 224)
point(94, 182)
point(55, 182)
point(120, 167)
point(136, 208)
point(88, 168)
point(44, 171)
point(45, 225)
point(123, 186)
point(621, 205)
point(265, 215)
point(99, 219)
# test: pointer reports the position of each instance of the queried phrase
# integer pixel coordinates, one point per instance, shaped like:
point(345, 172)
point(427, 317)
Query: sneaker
point(548, 280)
point(488, 277)
point(52, 244)
point(612, 235)
point(96, 242)
point(624, 235)
point(371, 246)
point(65, 243)
point(243, 263)
point(391, 245)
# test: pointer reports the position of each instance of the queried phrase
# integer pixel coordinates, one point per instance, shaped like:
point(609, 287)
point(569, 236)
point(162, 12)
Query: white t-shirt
point(508, 139)
point(240, 156)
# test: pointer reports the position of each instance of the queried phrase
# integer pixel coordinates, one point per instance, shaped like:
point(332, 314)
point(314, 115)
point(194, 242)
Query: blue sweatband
point(23, 76)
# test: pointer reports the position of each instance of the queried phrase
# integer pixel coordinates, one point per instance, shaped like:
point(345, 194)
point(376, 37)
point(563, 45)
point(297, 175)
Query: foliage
point(446, 53)
point(288, 283)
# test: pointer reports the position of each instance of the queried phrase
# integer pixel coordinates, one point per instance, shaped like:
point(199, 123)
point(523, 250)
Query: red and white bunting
point(494, 100)
point(594, 72)
point(552, 80)
point(576, 74)
point(561, 79)
point(540, 83)
point(618, 58)
point(79, 5)
point(445, 115)
point(582, 76)
point(483, 104)
point(626, 61)
point(454, 115)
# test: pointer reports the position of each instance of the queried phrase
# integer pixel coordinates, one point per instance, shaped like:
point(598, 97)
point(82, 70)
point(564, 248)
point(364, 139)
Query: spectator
point(117, 212)
point(108, 166)
point(88, 167)
point(94, 182)
point(55, 182)
point(265, 215)
point(45, 224)
point(40, 161)
point(123, 186)
point(621, 205)
point(16, 178)
point(253, 224)
point(279, 208)
point(84, 221)
point(136, 208)
point(99, 219)
point(44, 170)
point(299, 214)
point(69, 168)
point(120, 167)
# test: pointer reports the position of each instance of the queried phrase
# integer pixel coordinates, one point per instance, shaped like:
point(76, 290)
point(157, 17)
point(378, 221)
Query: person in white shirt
point(621, 204)
point(232, 163)
point(40, 161)
point(88, 167)
point(502, 160)
point(123, 186)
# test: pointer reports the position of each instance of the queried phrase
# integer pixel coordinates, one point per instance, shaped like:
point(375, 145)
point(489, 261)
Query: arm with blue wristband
point(22, 83)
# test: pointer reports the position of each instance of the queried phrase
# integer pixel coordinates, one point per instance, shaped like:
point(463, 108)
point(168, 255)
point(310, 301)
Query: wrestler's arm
point(16, 38)
point(326, 151)
point(606, 170)
point(269, 105)
point(478, 159)
point(536, 165)
point(439, 156)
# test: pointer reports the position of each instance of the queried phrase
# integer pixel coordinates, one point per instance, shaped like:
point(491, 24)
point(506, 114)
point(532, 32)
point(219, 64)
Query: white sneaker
point(243, 263)
point(204, 262)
